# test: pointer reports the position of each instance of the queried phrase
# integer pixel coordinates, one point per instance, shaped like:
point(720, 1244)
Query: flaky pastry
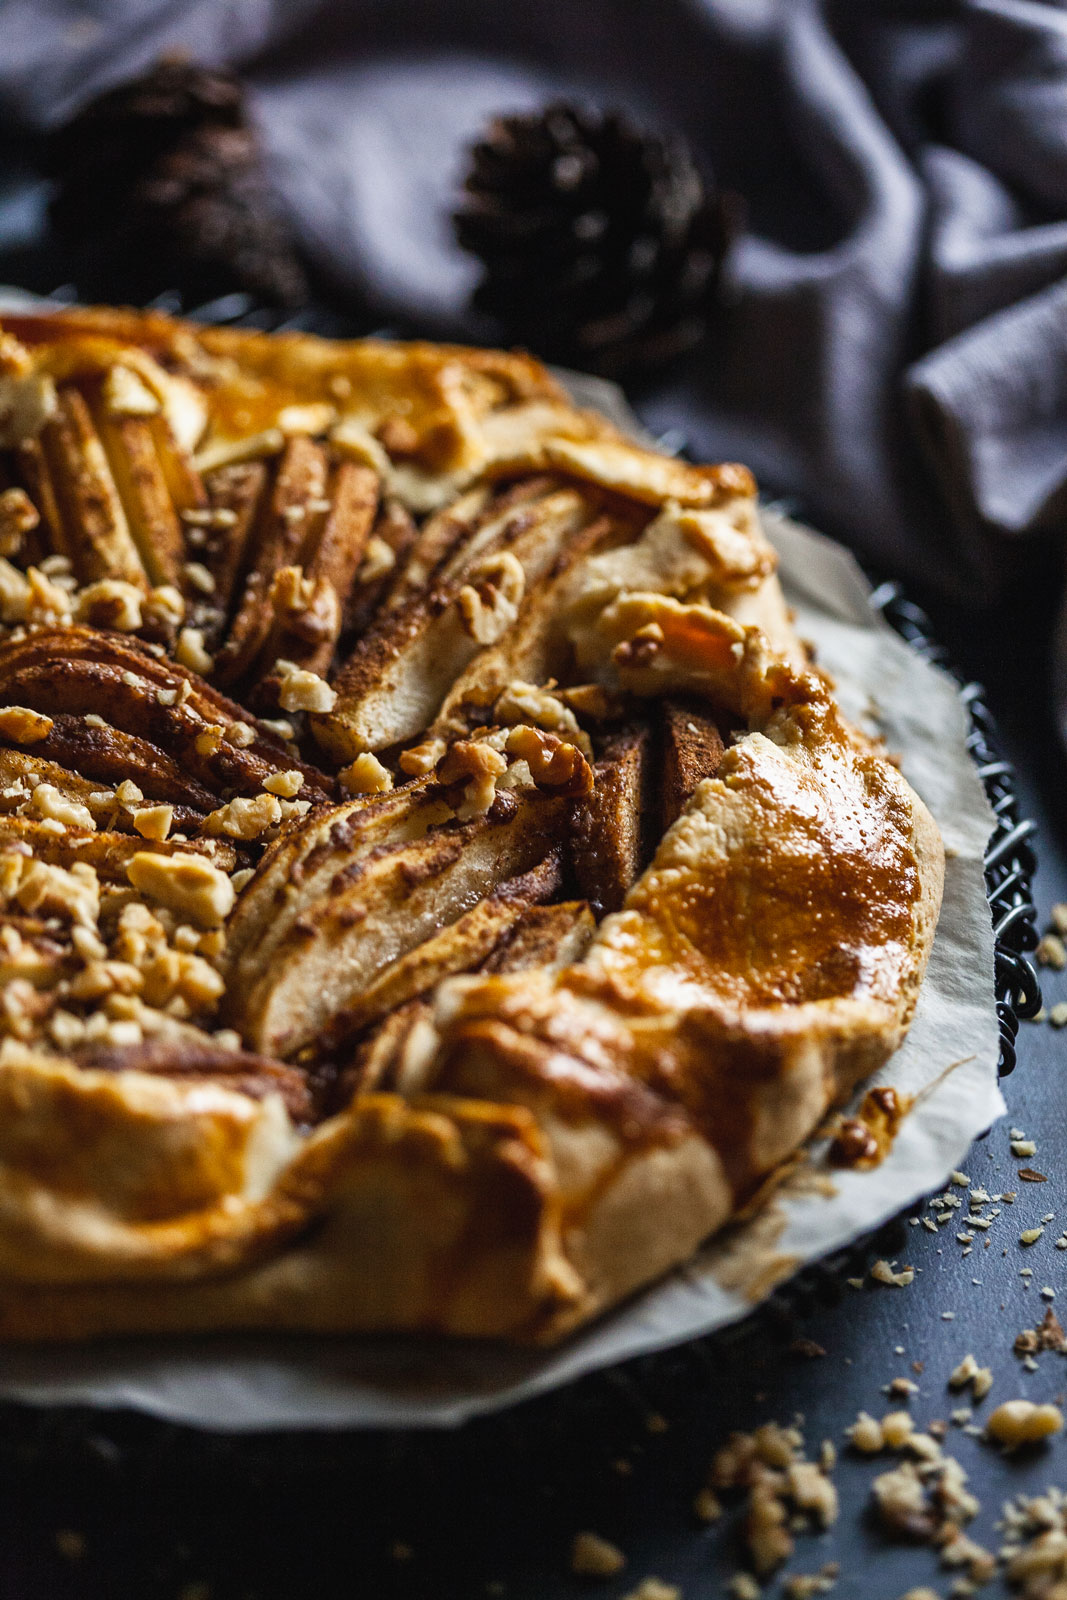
point(437, 891)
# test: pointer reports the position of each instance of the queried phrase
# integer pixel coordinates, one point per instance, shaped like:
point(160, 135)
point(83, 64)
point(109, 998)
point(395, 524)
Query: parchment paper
point(949, 1060)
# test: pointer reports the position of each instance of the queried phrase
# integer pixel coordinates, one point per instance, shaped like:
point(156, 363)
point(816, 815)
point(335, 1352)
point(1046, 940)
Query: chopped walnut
point(776, 1446)
point(1049, 1335)
point(23, 726)
point(398, 435)
point(48, 801)
point(524, 702)
point(422, 758)
point(293, 808)
point(804, 1586)
point(240, 734)
point(315, 417)
point(228, 452)
point(87, 943)
point(812, 1491)
point(594, 1557)
point(642, 649)
point(285, 784)
point(12, 865)
point(654, 1589)
point(110, 603)
point(901, 1501)
point(27, 401)
point(897, 1429)
point(178, 975)
point(477, 766)
point(47, 601)
point(72, 893)
point(866, 1435)
point(489, 603)
point(21, 1007)
point(190, 651)
point(969, 1372)
point(127, 395)
point(301, 690)
point(766, 1525)
point(199, 577)
point(707, 1506)
point(554, 765)
point(733, 1461)
point(18, 516)
point(188, 885)
point(883, 1272)
point(961, 1375)
point(366, 775)
point(153, 822)
point(279, 726)
point(66, 1029)
point(209, 740)
point(379, 559)
point(960, 1551)
point(784, 1490)
point(591, 700)
point(14, 594)
point(139, 935)
point(244, 818)
point(98, 978)
point(166, 605)
point(1019, 1422)
point(290, 589)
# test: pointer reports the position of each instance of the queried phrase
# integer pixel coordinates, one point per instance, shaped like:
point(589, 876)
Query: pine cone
point(160, 185)
point(601, 244)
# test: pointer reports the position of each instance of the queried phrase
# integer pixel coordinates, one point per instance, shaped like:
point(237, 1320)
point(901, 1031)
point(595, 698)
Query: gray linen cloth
point(894, 353)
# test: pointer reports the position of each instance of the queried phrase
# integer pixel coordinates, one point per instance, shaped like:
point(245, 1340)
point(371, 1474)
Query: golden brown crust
point(299, 1027)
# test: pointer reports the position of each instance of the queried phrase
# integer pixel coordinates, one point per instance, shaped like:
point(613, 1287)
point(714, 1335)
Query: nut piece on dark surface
point(160, 182)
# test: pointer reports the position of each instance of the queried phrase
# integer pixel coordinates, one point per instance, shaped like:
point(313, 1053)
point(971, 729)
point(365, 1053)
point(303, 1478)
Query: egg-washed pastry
point(436, 890)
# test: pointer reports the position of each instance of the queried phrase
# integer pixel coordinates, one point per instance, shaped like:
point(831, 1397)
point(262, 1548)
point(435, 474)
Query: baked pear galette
point(436, 888)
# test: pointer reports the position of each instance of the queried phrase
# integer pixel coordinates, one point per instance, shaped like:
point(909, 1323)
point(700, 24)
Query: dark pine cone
point(601, 244)
point(160, 185)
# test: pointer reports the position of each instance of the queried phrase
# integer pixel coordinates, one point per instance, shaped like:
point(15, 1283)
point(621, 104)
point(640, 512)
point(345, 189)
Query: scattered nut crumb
point(654, 1589)
point(190, 651)
point(883, 1272)
point(300, 690)
point(707, 1506)
point(366, 775)
point(1019, 1422)
point(594, 1557)
point(865, 1434)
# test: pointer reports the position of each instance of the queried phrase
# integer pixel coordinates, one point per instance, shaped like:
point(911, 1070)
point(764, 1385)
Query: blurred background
point(828, 239)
